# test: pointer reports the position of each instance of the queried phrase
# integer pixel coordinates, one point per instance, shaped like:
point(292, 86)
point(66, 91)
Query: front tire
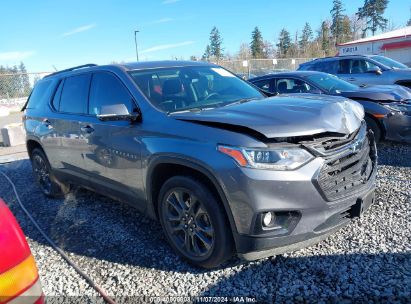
point(194, 222)
point(44, 176)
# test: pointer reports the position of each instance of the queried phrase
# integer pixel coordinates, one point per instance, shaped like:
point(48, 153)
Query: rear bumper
point(398, 127)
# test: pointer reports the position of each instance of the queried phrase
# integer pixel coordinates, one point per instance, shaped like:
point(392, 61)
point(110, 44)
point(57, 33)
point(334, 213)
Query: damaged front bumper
point(309, 203)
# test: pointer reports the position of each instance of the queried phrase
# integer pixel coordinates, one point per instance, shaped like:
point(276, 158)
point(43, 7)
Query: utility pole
point(135, 41)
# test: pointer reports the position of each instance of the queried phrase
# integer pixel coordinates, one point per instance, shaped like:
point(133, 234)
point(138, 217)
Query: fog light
point(268, 219)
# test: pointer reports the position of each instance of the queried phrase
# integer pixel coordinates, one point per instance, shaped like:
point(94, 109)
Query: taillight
point(18, 271)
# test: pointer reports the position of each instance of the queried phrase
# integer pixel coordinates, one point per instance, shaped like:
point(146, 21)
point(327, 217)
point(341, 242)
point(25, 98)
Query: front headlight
point(273, 158)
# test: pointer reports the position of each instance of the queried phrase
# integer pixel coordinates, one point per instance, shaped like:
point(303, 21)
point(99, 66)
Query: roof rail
point(89, 65)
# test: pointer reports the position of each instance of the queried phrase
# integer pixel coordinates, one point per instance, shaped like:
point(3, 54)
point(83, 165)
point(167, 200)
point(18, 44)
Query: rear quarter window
point(41, 94)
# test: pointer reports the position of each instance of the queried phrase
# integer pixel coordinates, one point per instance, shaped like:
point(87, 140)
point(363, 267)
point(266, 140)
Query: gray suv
point(362, 69)
point(224, 169)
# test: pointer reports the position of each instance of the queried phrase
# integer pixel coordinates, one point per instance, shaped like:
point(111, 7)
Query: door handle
point(351, 79)
point(87, 129)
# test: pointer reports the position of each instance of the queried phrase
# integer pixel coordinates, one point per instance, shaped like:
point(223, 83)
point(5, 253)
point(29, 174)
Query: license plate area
point(361, 205)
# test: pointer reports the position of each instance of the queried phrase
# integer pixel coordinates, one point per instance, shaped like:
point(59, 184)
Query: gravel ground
point(126, 253)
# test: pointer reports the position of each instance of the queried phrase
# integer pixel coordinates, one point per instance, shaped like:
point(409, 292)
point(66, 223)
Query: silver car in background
point(362, 69)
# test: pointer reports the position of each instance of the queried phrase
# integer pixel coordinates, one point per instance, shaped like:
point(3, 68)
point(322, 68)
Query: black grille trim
point(348, 170)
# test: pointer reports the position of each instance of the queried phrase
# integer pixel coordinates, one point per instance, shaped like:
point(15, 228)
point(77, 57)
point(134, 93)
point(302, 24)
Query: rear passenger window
point(106, 89)
point(41, 91)
point(75, 94)
point(57, 96)
point(330, 67)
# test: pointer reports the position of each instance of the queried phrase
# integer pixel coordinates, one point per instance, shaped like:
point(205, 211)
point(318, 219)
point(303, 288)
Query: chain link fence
point(15, 88)
point(257, 67)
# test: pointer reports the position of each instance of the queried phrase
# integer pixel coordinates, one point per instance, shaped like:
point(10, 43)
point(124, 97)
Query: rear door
point(70, 106)
point(113, 153)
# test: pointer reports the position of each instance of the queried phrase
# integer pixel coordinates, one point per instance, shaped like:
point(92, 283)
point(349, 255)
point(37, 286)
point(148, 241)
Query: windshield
point(388, 62)
point(331, 83)
point(192, 87)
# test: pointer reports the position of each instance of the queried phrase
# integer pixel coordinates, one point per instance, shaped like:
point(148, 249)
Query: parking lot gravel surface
point(127, 254)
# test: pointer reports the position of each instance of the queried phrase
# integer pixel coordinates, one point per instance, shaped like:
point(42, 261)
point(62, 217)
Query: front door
point(113, 158)
point(358, 71)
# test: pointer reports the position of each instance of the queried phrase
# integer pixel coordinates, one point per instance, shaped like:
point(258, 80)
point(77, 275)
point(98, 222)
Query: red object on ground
point(18, 272)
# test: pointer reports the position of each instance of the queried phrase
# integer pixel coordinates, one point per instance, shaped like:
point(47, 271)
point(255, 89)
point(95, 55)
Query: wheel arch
point(164, 167)
point(379, 124)
point(32, 144)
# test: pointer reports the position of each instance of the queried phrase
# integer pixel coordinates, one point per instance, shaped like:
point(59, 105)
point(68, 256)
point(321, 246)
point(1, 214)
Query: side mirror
point(375, 70)
point(117, 112)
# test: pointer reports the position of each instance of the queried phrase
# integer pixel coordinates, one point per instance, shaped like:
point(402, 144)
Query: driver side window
point(106, 89)
point(356, 66)
point(289, 85)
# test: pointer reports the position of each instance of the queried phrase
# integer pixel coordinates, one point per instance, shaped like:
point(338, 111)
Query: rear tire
point(44, 176)
point(375, 128)
point(194, 222)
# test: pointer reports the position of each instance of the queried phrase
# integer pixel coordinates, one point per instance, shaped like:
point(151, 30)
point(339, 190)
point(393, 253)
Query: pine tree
point(409, 21)
point(325, 37)
point(373, 12)
point(284, 43)
point(216, 49)
point(306, 37)
point(346, 32)
point(337, 14)
point(257, 44)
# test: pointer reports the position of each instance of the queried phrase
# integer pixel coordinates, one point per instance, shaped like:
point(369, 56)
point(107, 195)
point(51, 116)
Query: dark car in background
point(362, 69)
point(224, 169)
point(387, 107)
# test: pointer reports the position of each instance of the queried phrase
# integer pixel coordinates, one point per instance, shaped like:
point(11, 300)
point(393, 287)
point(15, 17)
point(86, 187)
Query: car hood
point(283, 116)
point(386, 93)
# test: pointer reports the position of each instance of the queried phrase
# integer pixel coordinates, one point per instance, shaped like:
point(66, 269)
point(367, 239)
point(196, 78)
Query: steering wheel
point(211, 95)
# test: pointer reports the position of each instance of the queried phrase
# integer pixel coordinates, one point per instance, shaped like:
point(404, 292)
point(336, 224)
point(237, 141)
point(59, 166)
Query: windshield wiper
point(241, 100)
point(196, 109)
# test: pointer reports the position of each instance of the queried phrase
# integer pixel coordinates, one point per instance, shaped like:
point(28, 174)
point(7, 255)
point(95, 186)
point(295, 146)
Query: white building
point(395, 44)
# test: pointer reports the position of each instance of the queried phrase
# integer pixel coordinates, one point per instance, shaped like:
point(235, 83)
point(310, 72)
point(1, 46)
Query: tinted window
point(306, 66)
point(57, 96)
point(106, 89)
point(263, 84)
point(356, 66)
point(330, 67)
point(75, 94)
point(41, 91)
point(289, 85)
